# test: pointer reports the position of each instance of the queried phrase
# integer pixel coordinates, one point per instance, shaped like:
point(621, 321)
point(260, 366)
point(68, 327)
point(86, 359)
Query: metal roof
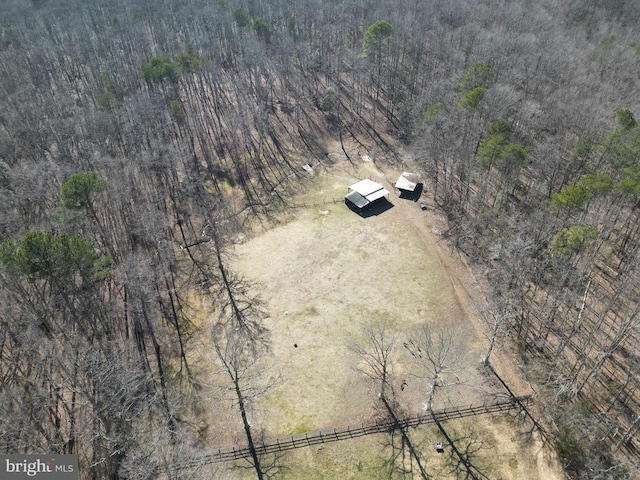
point(407, 181)
point(357, 199)
point(365, 192)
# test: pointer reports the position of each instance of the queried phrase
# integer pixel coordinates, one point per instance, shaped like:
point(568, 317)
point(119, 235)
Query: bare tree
point(497, 320)
point(434, 352)
point(376, 356)
point(239, 360)
point(377, 362)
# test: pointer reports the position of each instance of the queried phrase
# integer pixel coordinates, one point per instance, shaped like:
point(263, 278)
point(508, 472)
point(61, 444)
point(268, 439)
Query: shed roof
point(357, 199)
point(364, 192)
point(407, 181)
point(369, 189)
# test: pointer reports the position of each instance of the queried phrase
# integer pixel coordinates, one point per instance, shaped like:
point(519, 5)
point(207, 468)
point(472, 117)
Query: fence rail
point(353, 431)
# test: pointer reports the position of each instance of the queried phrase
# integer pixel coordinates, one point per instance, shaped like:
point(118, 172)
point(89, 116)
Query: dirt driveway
point(326, 271)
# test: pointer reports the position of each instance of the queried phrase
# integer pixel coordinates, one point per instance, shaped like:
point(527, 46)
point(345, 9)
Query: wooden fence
point(316, 437)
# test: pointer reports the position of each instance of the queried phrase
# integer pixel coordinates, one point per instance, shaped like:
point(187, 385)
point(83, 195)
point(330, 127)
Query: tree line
point(137, 138)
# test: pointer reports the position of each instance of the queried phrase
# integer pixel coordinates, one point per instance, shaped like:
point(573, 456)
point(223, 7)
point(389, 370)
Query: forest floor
point(323, 272)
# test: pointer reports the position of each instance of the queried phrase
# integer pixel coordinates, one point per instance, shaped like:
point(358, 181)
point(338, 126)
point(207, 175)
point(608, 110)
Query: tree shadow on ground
point(463, 455)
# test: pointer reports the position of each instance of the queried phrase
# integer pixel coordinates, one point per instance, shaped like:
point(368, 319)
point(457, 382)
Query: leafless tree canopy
point(137, 139)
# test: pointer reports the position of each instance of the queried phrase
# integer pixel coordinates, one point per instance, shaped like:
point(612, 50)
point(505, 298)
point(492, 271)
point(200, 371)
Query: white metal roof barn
point(364, 193)
point(407, 181)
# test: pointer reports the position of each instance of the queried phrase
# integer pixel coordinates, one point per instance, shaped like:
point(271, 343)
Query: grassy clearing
point(361, 459)
point(324, 272)
point(480, 440)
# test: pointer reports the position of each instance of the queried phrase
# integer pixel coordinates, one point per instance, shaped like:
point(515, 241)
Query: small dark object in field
point(423, 205)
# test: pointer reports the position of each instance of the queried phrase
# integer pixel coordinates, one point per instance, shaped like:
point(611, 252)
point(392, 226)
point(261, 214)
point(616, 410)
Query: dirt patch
point(325, 272)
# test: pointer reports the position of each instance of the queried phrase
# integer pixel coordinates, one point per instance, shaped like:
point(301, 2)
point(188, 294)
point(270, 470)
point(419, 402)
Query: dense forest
point(132, 132)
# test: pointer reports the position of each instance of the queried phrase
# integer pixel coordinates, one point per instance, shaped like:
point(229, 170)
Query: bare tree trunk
point(237, 358)
point(247, 427)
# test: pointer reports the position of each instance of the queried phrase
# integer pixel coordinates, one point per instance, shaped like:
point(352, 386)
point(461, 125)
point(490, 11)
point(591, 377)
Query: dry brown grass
point(323, 276)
